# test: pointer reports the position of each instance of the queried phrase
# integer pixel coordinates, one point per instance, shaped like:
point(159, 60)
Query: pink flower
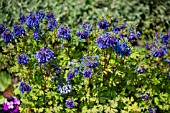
point(5, 107)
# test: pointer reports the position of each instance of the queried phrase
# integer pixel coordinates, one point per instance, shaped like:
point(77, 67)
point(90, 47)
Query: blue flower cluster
point(87, 64)
point(107, 40)
point(116, 38)
point(7, 35)
point(19, 30)
point(69, 103)
point(22, 58)
point(64, 32)
point(24, 87)
point(159, 47)
point(32, 20)
point(44, 55)
point(86, 29)
point(122, 49)
point(103, 24)
point(145, 96)
point(66, 88)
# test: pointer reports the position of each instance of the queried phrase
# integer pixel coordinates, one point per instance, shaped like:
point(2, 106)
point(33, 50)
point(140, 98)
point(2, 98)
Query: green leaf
point(2, 99)
point(5, 80)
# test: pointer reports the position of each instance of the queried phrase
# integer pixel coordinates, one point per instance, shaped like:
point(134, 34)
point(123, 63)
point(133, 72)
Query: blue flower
point(87, 73)
point(40, 15)
point(2, 28)
point(64, 32)
point(69, 103)
point(24, 87)
point(22, 18)
point(91, 61)
point(32, 20)
point(36, 34)
point(86, 27)
point(7, 35)
point(22, 59)
point(116, 29)
point(122, 49)
point(141, 70)
point(102, 41)
point(71, 74)
point(111, 40)
point(152, 110)
point(159, 52)
point(49, 16)
point(83, 34)
point(52, 23)
point(65, 89)
point(145, 96)
point(19, 30)
point(103, 24)
point(44, 55)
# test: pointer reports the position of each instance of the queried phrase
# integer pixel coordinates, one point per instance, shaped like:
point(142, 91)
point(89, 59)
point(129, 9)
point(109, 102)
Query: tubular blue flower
point(65, 89)
point(83, 34)
point(87, 73)
point(64, 32)
point(141, 70)
point(19, 30)
point(69, 103)
point(122, 49)
point(40, 15)
point(159, 52)
point(44, 55)
point(165, 39)
point(52, 23)
point(91, 61)
point(152, 110)
point(103, 24)
point(36, 34)
point(11, 105)
point(32, 21)
point(49, 16)
point(70, 75)
point(22, 59)
point(145, 96)
point(102, 41)
point(92, 64)
point(22, 18)
point(7, 35)
point(2, 28)
point(111, 40)
point(116, 29)
point(86, 27)
point(24, 87)
point(132, 36)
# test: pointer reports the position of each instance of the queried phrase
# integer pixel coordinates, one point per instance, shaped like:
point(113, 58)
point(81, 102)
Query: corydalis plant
point(24, 87)
point(85, 31)
point(44, 55)
point(22, 58)
point(64, 32)
point(7, 35)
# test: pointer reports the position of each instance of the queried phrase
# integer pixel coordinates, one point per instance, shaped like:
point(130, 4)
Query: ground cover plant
point(49, 66)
